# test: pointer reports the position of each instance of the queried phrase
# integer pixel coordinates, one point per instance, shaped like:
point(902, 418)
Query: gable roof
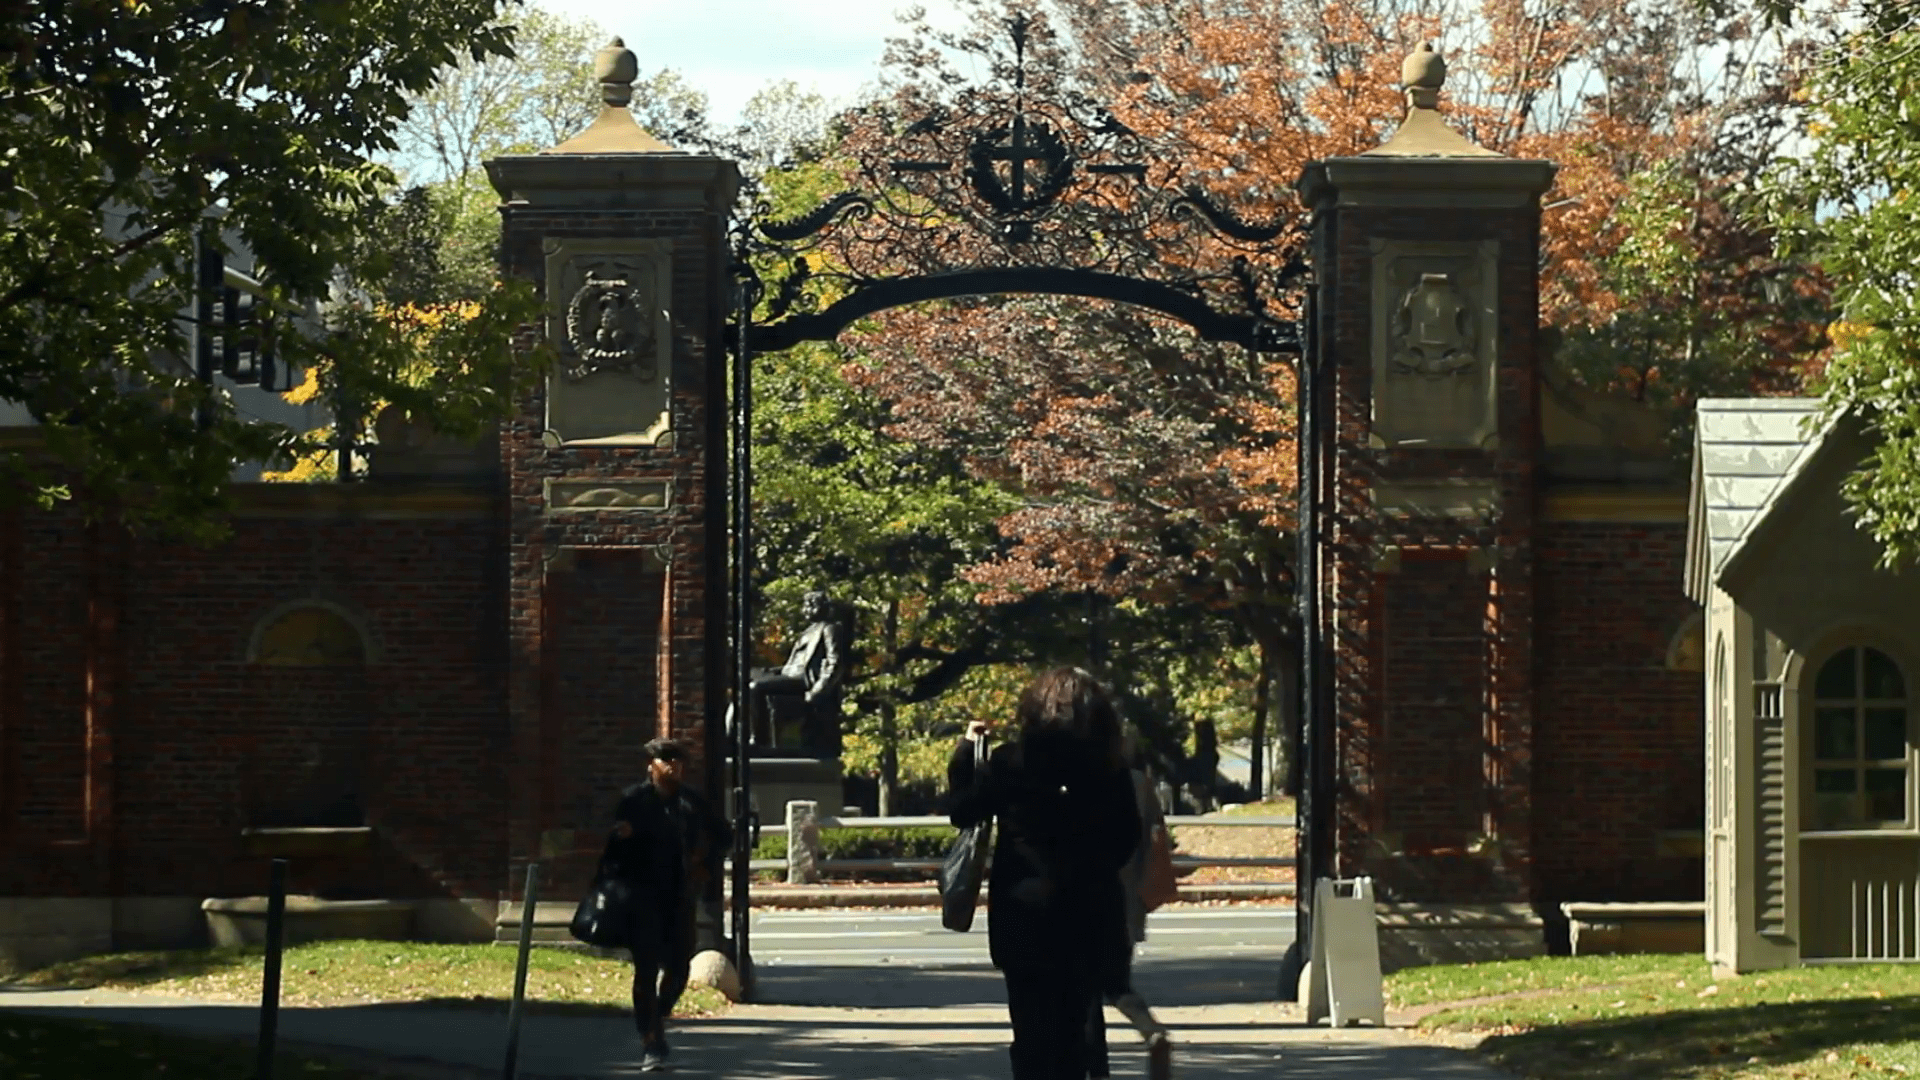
point(1746, 453)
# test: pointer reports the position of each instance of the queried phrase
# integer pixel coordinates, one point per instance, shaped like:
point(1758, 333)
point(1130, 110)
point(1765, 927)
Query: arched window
point(309, 636)
point(1687, 648)
point(1858, 748)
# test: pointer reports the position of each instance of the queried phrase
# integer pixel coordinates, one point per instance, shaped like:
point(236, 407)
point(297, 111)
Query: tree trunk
point(1262, 699)
point(1295, 724)
point(889, 758)
point(889, 731)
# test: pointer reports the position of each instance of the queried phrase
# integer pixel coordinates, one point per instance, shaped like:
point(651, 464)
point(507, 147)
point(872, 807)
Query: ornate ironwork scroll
point(1003, 191)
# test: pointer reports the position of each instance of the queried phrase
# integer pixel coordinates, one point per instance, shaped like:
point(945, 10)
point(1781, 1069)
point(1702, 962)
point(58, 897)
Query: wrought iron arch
point(1234, 327)
point(999, 191)
point(1003, 192)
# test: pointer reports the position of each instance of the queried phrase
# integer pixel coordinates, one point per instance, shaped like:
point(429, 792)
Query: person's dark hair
point(1069, 705)
point(667, 750)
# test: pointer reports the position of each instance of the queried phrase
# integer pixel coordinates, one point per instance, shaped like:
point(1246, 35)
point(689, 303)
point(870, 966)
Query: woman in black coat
point(1065, 823)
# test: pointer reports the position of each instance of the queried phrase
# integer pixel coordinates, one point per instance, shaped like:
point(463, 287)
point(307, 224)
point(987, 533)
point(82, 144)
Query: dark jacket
point(1064, 819)
point(676, 842)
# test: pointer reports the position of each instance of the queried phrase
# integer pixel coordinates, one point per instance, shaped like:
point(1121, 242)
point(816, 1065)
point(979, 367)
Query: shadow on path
point(1164, 983)
point(964, 1038)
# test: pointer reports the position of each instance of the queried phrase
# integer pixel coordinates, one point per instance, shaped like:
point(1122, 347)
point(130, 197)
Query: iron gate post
point(1312, 816)
point(743, 815)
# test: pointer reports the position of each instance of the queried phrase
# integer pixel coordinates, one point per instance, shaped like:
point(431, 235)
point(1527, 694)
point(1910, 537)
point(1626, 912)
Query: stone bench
point(242, 920)
point(1666, 927)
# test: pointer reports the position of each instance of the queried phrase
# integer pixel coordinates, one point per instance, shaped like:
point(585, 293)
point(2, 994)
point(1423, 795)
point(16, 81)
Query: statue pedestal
point(776, 781)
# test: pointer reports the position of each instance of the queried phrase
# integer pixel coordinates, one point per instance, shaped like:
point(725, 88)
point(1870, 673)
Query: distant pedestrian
point(665, 837)
point(1065, 822)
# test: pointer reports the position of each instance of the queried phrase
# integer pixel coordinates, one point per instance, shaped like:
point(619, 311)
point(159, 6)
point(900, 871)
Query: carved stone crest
point(1434, 334)
point(610, 323)
point(1435, 344)
point(608, 318)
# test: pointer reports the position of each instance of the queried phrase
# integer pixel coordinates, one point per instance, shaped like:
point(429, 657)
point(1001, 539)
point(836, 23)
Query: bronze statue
point(797, 705)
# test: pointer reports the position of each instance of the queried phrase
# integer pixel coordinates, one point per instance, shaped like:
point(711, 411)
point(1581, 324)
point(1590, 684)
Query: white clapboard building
point(1813, 844)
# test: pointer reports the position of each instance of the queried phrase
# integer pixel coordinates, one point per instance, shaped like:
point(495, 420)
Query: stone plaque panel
point(577, 496)
point(1435, 344)
point(608, 316)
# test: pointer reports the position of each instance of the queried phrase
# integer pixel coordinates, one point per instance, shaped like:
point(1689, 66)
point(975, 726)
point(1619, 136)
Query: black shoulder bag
point(966, 863)
point(601, 919)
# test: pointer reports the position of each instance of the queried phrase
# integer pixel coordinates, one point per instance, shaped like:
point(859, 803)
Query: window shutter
point(1770, 810)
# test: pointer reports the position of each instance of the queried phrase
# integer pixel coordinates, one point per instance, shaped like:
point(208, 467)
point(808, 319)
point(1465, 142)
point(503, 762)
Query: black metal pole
point(1308, 810)
point(529, 904)
point(1322, 759)
point(270, 981)
point(742, 635)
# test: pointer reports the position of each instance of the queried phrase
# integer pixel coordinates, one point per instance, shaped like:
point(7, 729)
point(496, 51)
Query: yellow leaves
point(316, 467)
point(426, 318)
point(1845, 334)
point(308, 389)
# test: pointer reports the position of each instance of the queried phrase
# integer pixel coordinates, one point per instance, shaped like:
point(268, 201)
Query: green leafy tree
point(493, 104)
point(781, 126)
point(1701, 305)
point(888, 525)
point(134, 130)
point(1846, 201)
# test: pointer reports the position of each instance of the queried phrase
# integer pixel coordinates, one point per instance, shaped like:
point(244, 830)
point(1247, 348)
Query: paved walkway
point(795, 1042)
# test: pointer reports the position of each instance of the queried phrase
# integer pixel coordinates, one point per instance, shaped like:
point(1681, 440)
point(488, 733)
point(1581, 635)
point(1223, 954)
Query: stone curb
point(829, 896)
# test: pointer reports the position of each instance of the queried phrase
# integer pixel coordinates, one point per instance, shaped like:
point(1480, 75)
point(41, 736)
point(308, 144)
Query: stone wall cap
point(1330, 176)
point(514, 175)
point(614, 131)
point(1456, 916)
point(299, 905)
point(1642, 910)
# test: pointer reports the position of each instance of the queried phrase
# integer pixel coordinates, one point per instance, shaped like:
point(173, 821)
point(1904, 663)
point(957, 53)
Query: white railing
point(1881, 917)
point(797, 869)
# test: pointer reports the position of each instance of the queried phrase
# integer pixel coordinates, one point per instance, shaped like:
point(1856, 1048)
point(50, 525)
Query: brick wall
point(1433, 682)
point(195, 743)
point(1620, 739)
point(555, 808)
point(516, 660)
point(1357, 595)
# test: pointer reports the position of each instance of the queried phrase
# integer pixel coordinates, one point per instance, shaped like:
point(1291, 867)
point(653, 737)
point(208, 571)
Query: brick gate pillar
point(1427, 253)
point(616, 474)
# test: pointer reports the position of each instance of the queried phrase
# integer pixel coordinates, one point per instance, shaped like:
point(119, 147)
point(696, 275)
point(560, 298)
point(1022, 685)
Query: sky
point(732, 48)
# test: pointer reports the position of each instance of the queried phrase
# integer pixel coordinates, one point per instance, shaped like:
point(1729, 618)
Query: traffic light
point(245, 326)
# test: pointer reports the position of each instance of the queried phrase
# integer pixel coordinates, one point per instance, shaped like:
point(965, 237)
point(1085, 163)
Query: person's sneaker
point(1159, 1057)
point(654, 1060)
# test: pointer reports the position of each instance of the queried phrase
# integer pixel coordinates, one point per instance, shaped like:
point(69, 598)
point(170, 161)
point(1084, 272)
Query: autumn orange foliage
point(1144, 472)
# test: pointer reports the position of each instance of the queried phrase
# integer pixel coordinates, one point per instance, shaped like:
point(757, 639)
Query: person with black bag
point(665, 835)
point(1062, 800)
point(965, 865)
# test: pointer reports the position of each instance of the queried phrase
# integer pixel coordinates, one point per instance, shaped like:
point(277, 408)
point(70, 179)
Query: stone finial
point(615, 131)
point(616, 67)
point(1421, 75)
point(1424, 133)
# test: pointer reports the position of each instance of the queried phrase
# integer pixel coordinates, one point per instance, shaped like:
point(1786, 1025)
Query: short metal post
point(803, 843)
point(270, 982)
point(529, 898)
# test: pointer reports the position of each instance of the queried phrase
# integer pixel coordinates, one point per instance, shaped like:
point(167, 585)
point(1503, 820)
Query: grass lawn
point(372, 972)
point(36, 1048)
point(1666, 1018)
